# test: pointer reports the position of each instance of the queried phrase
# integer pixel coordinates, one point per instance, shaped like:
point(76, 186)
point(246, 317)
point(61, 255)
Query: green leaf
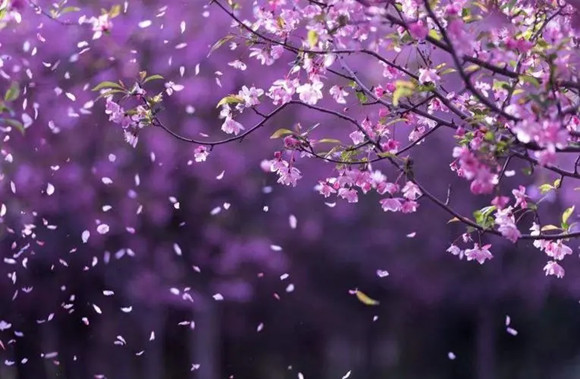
point(312, 38)
point(566, 215)
point(433, 34)
point(365, 299)
point(280, 133)
point(530, 79)
point(472, 68)
point(220, 43)
point(486, 211)
point(546, 228)
point(361, 97)
point(13, 92)
point(16, 124)
point(69, 9)
point(329, 140)
point(499, 84)
point(107, 84)
point(152, 77)
point(394, 121)
point(448, 70)
point(545, 188)
point(403, 88)
point(489, 136)
point(230, 99)
point(347, 155)
point(483, 216)
point(386, 154)
point(115, 11)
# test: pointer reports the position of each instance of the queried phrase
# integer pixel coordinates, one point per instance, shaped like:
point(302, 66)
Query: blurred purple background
point(431, 304)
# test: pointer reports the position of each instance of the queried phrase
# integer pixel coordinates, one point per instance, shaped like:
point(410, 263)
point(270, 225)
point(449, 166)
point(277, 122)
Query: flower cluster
point(130, 123)
point(477, 253)
point(504, 219)
point(350, 181)
point(556, 250)
point(287, 173)
point(469, 167)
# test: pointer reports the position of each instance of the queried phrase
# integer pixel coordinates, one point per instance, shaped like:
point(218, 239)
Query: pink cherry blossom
point(348, 194)
point(200, 154)
point(251, 95)
point(282, 91)
point(553, 268)
point(115, 111)
point(232, 126)
point(500, 201)
point(289, 176)
point(310, 93)
point(357, 137)
point(411, 191)
point(520, 195)
point(391, 204)
point(505, 220)
point(101, 24)
point(418, 30)
point(484, 181)
point(480, 254)
point(455, 250)
point(338, 93)
point(409, 206)
point(325, 189)
point(557, 250)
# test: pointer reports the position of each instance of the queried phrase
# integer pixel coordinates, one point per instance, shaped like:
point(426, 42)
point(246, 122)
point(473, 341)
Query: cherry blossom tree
point(500, 80)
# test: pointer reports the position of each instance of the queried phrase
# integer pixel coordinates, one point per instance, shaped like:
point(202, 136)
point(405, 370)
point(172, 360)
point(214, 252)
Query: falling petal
point(103, 229)
point(85, 236)
point(49, 189)
point(145, 24)
point(382, 273)
point(292, 221)
point(512, 331)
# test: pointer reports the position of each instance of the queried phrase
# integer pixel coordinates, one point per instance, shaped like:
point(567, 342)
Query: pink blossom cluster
point(350, 181)
point(468, 166)
point(131, 124)
point(556, 250)
point(288, 174)
point(476, 253)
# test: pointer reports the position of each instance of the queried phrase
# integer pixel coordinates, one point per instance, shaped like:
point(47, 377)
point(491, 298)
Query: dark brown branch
point(211, 144)
point(459, 65)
